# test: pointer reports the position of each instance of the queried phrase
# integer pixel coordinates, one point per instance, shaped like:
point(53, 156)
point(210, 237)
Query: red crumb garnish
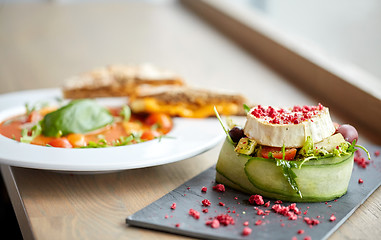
point(377, 153)
point(290, 211)
point(256, 199)
point(246, 231)
point(332, 218)
point(194, 213)
point(278, 201)
point(360, 180)
point(219, 188)
point(267, 204)
point(205, 210)
point(204, 189)
point(300, 231)
point(225, 219)
point(258, 222)
point(260, 212)
point(311, 221)
point(294, 238)
point(221, 204)
point(173, 206)
point(213, 223)
point(307, 238)
point(206, 203)
point(246, 223)
point(360, 161)
point(166, 216)
point(177, 225)
point(286, 116)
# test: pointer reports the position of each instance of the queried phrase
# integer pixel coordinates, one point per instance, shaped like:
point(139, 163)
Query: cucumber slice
point(231, 165)
point(318, 180)
point(231, 171)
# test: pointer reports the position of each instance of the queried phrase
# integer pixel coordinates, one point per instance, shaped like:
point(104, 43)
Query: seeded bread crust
point(117, 80)
point(185, 94)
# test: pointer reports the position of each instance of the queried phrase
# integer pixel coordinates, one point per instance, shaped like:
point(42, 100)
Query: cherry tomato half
point(149, 135)
point(277, 152)
point(60, 142)
point(33, 117)
point(163, 121)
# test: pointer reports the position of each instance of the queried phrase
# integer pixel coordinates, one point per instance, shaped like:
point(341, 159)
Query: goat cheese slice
point(278, 127)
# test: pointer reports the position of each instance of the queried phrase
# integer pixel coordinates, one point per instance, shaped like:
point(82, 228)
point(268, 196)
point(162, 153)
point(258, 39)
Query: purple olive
point(349, 132)
point(236, 133)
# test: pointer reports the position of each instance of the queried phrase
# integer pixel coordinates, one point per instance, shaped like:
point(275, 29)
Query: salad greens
point(79, 116)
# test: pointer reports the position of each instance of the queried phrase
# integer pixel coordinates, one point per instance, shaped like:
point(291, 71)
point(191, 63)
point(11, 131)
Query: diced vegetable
point(277, 153)
point(60, 143)
point(330, 143)
point(245, 146)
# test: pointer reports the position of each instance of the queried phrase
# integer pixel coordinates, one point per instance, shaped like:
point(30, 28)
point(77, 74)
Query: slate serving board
point(160, 216)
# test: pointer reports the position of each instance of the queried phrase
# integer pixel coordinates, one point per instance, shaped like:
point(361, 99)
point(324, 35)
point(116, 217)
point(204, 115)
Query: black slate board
point(160, 216)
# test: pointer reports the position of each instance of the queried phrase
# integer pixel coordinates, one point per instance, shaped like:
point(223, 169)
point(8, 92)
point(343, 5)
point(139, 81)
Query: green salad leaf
point(287, 171)
point(35, 131)
point(79, 116)
point(246, 108)
point(125, 113)
point(223, 127)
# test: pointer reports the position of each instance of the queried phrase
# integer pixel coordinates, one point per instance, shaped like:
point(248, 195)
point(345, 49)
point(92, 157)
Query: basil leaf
point(79, 116)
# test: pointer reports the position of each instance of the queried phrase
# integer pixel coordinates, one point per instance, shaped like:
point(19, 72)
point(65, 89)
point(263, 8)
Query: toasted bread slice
point(117, 80)
point(184, 101)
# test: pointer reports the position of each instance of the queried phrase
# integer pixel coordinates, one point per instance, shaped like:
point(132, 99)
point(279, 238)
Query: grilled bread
point(117, 80)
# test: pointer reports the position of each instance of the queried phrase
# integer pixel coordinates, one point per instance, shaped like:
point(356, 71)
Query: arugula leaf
point(289, 174)
point(79, 116)
point(287, 171)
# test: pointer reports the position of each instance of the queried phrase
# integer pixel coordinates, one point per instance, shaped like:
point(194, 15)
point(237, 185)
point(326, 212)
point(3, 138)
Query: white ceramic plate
point(189, 137)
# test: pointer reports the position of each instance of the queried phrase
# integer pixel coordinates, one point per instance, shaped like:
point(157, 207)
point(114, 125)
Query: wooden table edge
point(17, 203)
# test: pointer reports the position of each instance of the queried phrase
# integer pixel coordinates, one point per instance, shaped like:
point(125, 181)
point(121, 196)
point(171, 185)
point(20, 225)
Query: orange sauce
point(12, 128)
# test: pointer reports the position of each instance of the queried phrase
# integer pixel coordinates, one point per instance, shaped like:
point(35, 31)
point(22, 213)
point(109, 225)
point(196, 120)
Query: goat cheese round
point(289, 127)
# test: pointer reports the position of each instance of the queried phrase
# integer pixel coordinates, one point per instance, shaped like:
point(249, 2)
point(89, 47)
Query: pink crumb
point(332, 218)
point(219, 188)
point(246, 231)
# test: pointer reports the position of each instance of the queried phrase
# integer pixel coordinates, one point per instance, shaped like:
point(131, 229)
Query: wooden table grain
point(44, 43)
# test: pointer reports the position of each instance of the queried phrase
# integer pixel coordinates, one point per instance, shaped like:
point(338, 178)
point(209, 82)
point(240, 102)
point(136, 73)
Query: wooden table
point(44, 43)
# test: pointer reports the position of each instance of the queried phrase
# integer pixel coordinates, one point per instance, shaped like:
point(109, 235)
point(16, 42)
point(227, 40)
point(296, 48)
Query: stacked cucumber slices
point(295, 154)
